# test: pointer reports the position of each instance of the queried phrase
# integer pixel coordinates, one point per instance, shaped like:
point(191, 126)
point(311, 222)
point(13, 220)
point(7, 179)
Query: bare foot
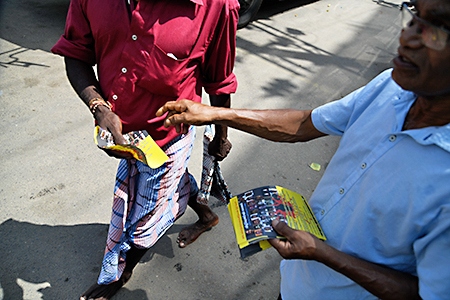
point(190, 233)
point(105, 292)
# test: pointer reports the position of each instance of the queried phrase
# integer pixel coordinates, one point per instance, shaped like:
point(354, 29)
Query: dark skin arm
point(279, 125)
point(384, 283)
point(83, 80)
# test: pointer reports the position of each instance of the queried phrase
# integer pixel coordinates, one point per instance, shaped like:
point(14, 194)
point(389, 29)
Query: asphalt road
point(56, 187)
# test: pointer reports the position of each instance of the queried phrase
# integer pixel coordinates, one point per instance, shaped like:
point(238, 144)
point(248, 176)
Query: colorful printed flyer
point(140, 146)
point(252, 213)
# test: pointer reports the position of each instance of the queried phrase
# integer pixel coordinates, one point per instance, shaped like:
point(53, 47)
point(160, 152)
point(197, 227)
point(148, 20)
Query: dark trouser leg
point(134, 255)
point(193, 188)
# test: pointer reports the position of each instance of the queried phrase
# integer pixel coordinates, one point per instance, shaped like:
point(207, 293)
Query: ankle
point(126, 275)
point(207, 216)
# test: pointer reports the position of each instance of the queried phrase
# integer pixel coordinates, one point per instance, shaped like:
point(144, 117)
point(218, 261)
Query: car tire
point(248, 11)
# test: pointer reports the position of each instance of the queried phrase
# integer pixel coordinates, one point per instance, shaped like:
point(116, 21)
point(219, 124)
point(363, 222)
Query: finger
point(171, 105)
point(169, 119)
point(276, 243)
point(178, 128)
point(118, 138)
point(117, 134)
point(185, 128)
point(172, 112)
point(281, 246)
point(162, 110)
point(175, 106)
point(177, 118)
point(282, 228)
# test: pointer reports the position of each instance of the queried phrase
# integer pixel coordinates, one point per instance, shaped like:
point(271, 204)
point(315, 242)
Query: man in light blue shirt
point(384, 199)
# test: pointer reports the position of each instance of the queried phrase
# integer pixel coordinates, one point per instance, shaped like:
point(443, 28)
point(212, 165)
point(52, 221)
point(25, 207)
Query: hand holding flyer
point(140, 146)
point(252, 214)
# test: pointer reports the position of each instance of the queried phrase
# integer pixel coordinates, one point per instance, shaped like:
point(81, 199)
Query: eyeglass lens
point(432, 36)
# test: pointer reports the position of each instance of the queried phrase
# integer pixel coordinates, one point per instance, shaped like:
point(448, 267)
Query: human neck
point(427, 112)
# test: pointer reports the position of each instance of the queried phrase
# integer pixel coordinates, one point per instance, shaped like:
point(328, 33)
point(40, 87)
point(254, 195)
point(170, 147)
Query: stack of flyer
point(252, 213)
point(140, 146)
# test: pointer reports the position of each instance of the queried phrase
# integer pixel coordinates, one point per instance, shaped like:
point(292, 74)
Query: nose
point(411, 36)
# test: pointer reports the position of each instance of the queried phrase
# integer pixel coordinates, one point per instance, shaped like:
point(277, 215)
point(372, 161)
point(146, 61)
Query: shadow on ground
point(33, 24)
point(57, 262)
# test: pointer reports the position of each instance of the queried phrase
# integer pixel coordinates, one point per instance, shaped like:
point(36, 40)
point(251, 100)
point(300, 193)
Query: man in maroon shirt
point(147, 53)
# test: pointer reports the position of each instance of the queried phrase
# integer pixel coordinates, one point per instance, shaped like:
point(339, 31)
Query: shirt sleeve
point(433, 268)
point(332, 118)
point(77, 41)
point(218, 76)
point(335, 117)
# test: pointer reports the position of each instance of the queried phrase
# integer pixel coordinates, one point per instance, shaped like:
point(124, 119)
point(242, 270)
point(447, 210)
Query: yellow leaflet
point(236, 220)
point(298, 213)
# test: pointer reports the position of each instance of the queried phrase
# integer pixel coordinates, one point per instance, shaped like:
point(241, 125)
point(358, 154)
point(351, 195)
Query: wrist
point(95, 103)
point(326, 254)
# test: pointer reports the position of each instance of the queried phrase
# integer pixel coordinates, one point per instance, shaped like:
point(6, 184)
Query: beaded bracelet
point(96, 102)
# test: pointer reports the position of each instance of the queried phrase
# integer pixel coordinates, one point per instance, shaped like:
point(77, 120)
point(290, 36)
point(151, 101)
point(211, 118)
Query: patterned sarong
point(146, 203)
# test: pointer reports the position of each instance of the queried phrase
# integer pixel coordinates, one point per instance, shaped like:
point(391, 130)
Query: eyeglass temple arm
point(411, 3)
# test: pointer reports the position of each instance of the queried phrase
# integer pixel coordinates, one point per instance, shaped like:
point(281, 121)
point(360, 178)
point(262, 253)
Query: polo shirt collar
point(437, 135)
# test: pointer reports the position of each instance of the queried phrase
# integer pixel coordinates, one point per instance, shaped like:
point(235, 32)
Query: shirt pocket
point(162, 74)
point(169, 62)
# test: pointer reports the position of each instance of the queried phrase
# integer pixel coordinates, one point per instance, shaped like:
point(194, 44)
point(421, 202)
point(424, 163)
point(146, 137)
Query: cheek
point(438, 73)
point(440, 60)
point(432, 76)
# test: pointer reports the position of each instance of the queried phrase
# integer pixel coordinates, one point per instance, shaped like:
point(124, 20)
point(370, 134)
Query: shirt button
point(363, 165)
point(114, 97)
point(392, 138)
point(134, 37)
point(322, 212)
point(124, 70)
point(341, 191)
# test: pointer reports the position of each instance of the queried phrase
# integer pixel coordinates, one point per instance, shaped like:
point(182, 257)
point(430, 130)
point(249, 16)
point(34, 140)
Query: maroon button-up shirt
point(158, 51)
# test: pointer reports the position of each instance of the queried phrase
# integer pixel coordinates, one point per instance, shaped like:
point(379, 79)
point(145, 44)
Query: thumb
point(281, 228)
point(118, 137)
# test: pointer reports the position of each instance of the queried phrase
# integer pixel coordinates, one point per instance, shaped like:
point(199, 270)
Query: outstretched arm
point(385, 283)
point(282, 125)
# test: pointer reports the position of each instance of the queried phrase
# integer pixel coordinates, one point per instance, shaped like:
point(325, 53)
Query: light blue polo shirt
point(384, 197)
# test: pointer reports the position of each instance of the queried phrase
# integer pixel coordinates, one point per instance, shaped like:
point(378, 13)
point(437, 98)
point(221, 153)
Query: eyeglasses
point(432, 36)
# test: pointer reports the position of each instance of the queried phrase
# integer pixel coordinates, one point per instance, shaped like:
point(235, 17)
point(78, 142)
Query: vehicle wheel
point(247, 12)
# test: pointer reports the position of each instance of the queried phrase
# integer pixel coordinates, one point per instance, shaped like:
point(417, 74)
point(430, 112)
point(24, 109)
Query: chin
point(400, 79)
point(406, 80)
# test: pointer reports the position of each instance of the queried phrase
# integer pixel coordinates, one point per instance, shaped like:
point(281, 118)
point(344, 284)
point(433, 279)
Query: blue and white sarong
point(146, 203)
